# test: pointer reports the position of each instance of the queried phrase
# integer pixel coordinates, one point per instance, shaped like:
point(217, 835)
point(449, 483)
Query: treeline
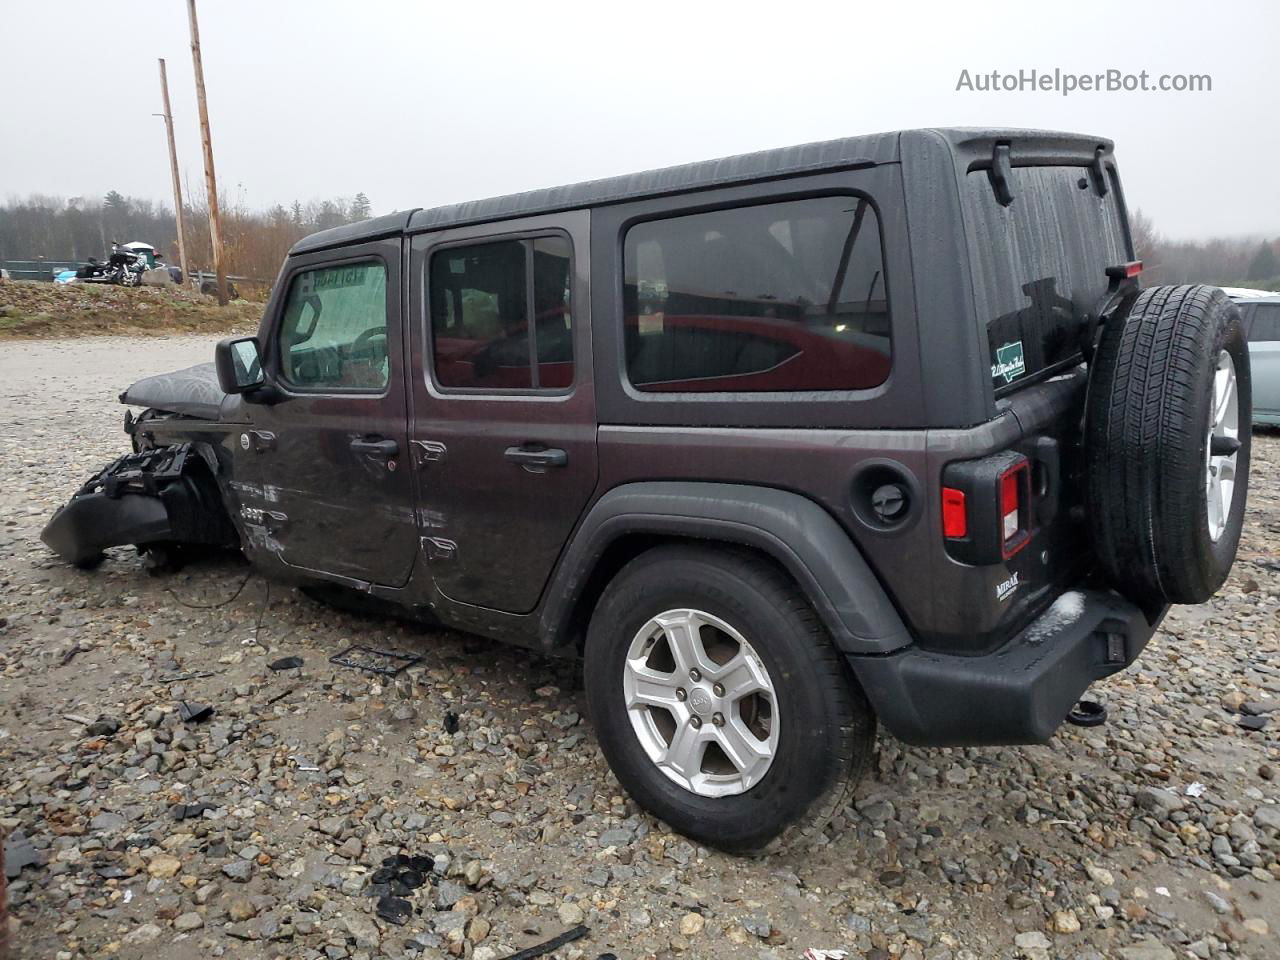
point(255, 242)
point(1223, 262)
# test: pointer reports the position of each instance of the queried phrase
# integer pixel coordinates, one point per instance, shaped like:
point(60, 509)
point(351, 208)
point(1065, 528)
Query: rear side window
point(482, 334)
point(1264, 322)
point(333, 335)
point(1039, 264)
point(774, 297)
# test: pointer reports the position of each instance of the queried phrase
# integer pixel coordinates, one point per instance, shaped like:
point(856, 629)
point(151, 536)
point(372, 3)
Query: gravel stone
point(270, 821)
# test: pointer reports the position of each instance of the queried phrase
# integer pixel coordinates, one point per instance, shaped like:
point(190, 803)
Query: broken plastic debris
point(305, 766)
point(1196, 789)
point(399, 876)
point(1163, 891)
point(19, 853)
point(555, 943)
point(411, 879)
point(451, 722)
point(128, 896)
point(813, 953)
point(385, 662)
point(395, 910)
point(194, 712)
point(286, 663)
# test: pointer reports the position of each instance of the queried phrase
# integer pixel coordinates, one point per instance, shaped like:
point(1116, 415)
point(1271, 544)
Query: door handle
point(536, 459)
point(378, 449)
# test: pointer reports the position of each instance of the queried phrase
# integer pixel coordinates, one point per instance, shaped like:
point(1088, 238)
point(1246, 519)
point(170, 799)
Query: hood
point(193, 392)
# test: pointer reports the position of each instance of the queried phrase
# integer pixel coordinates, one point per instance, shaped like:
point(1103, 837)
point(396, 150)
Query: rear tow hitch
point(1087, 713)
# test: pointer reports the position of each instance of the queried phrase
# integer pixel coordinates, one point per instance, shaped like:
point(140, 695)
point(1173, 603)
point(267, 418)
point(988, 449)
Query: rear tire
point(1151, 464)
point(818, 728)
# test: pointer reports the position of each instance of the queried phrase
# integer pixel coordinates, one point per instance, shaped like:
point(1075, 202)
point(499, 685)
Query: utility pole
point(173, 171)
point(211, 183)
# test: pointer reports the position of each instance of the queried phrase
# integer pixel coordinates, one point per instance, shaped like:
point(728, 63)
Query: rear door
point(503, 409)
point(331, 451)
point(1039, 267)
point(1263, 321)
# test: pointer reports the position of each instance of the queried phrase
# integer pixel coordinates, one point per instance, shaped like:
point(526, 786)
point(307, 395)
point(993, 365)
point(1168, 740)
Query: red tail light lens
point(955, 518)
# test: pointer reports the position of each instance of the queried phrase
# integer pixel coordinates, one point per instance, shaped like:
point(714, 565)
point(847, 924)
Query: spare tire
point(1167, 439)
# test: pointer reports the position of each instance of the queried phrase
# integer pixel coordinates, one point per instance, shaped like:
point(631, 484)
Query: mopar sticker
point(1010, 363)
point(1005, 589)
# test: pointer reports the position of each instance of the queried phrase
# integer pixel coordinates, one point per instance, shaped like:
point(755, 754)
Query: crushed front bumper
point(165, 495)
point(1019, 693)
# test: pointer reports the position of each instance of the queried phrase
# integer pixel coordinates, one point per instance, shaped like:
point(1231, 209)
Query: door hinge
point(429, 451)
point(438, 548)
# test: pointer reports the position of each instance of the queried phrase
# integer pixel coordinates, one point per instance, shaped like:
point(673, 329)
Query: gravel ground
point(1153, 837)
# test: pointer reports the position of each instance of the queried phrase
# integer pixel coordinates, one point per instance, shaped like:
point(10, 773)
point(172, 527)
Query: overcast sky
point(422, 103)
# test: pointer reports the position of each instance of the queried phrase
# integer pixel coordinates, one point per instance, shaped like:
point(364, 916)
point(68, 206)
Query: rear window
point(773, 297)
point(482, 337)
point(1264, 321)
point(1039, 264)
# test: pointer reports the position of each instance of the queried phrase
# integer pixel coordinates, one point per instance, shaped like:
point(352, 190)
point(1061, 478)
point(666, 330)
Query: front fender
point(794, 531)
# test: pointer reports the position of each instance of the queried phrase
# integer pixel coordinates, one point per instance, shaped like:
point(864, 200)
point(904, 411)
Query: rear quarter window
point(1264, 322)
point(783, 296)
point(1039, 264)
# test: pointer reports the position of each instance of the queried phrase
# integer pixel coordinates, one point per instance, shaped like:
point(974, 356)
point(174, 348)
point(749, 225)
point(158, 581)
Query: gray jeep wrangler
point(782, 445)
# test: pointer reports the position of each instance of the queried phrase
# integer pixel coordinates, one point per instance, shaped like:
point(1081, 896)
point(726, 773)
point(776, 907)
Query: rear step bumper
point(1019, 693)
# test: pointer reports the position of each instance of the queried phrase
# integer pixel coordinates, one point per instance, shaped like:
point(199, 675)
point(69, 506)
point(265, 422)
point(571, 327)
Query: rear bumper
point(1019, 693)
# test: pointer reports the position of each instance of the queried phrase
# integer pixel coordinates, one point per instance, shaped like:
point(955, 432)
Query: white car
point(1261, 311)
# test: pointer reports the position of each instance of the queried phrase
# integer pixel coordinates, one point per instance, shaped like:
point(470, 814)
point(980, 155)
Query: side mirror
point(239, 365)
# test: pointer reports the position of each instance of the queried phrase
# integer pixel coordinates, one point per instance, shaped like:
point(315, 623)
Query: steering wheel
point(364, 338)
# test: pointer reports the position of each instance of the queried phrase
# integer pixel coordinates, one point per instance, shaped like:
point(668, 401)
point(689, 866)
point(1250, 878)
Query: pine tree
point(1264, 265)
point(360, 209)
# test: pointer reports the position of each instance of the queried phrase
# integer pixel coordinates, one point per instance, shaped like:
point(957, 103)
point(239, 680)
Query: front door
point(503, 427)
point(332, 450)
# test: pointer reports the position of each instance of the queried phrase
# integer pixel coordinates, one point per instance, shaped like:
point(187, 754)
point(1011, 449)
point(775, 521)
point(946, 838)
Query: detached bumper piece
point(165, 495)
point(1019, 693)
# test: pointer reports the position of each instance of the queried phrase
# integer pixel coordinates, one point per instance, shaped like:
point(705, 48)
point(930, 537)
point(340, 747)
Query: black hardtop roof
point(822, 156)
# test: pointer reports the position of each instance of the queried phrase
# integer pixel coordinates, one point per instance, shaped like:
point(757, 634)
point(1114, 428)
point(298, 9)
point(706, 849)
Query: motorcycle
point(123, 267)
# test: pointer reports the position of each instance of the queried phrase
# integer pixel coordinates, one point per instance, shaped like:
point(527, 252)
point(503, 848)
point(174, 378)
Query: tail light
point(986, 508)
point(1015, 513)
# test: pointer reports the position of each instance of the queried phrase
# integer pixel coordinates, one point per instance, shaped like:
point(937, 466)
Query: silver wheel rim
point(1222, 446)
point(701, 703)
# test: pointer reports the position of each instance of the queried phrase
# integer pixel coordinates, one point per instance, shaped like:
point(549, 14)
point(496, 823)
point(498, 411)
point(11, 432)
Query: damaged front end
point(162, 496)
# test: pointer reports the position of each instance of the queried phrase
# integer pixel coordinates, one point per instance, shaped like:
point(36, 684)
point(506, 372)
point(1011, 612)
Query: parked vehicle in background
point(782, 445)
point(124, 266)
point(1261, 312)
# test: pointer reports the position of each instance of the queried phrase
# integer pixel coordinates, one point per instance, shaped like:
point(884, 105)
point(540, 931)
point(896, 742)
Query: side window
point(333, 335)
point(1264, 322)
point(481, 333)
point(781, 296)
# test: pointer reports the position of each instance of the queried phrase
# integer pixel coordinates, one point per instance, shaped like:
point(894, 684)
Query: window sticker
point(1010, 362)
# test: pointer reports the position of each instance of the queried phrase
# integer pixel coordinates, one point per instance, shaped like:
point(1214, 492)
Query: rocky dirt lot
point(263, 830)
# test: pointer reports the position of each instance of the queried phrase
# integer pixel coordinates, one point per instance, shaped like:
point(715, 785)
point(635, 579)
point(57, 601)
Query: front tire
point(720, 702)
